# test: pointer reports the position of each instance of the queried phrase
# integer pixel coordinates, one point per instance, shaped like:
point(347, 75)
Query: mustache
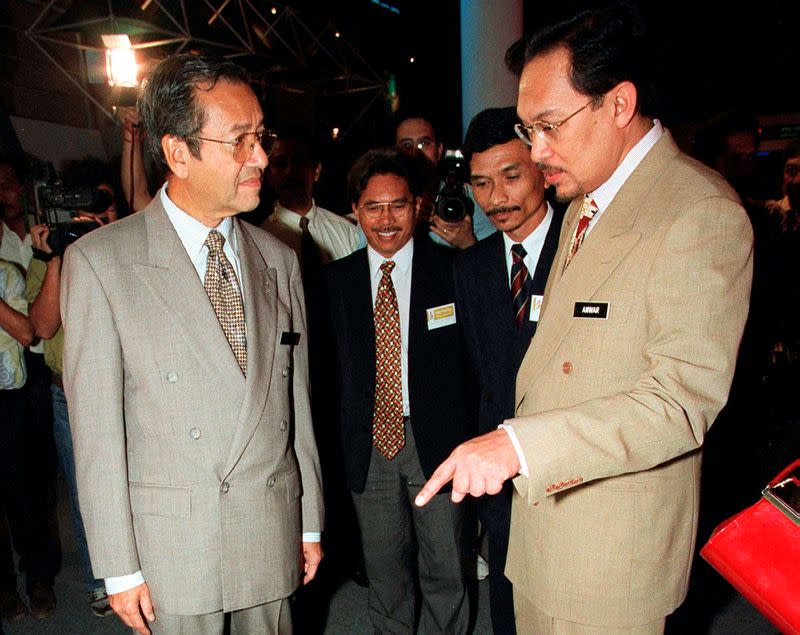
point(257, 173)
point(502, 209)
point(386, 228)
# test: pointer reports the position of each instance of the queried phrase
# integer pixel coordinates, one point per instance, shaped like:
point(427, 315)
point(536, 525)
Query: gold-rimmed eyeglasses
point(545, 130)
point(245, 144)
point(397, 208)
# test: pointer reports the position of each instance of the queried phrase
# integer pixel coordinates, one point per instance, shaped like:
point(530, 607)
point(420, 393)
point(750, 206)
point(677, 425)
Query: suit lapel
point(259, 282)
point(609, 241)
point(171, 276)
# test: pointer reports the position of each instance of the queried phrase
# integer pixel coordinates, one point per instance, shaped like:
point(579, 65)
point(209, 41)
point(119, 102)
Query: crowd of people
point(247, 414)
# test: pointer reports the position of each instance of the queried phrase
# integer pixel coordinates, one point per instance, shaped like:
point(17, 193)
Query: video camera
point(64, 209)
point(453, 204)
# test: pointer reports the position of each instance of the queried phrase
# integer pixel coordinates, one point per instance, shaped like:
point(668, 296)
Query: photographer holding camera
point(455, 220)
point(88, 187)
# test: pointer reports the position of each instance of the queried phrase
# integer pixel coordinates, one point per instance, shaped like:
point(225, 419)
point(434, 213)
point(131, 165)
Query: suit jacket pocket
point(171, 501)
point(294, 487)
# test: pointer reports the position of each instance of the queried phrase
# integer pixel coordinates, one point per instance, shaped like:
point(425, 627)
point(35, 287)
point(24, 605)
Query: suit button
point(172, 377)
point(225, 487)
point(271, 481)
point(283, 425)
point(566, 368)
point(195, 433)
point(285, 372)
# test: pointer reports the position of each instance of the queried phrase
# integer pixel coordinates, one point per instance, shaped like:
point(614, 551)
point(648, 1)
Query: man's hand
point(459, 234)
point(131, 605)
point(477, 467)
point(39, 234)
point(312, 556)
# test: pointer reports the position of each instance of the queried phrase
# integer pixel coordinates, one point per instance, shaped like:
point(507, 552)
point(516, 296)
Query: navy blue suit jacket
point(442, 414)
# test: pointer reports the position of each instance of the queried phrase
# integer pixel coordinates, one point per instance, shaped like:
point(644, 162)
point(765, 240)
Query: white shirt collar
point(401, 258)
point(533, 242)
point(604, 194)
point(191, 231)
point(288, 217)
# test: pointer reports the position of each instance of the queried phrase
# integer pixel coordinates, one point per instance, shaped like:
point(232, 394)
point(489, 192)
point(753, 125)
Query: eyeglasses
point(408, 145)
point(245, 144)
point(545, 130)
point(397, 208)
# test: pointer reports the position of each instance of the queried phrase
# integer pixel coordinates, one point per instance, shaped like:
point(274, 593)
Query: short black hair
point(792, 151)
point(607, 45)
point(490, 127)
point(168, 102)
point(414, 113)
point(381, 161)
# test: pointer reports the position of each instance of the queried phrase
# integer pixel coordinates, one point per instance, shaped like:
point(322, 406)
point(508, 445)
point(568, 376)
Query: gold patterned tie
point(223, 291)
point(388, 435)
point(588, 211)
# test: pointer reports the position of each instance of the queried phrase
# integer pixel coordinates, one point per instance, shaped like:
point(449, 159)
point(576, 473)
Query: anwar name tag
point(440, 316)
point(596, 310)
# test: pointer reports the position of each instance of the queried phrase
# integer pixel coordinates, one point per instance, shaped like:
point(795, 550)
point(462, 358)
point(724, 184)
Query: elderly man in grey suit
point(185, 367)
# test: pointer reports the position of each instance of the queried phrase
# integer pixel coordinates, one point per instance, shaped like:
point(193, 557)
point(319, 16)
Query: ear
point(176, 153)
point(439, 150)
point(317, 172)
point(625, 101)
point(354, 207)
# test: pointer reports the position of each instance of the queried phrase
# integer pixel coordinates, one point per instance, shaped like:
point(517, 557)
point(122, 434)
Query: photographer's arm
point(44, 311)
point(134, 181)
point(459, 234)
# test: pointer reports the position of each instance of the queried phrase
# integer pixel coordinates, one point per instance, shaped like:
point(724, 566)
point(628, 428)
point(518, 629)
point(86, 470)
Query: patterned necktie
point(223, 291)
point(388, 435)
point(587, 213)
point(521, 284)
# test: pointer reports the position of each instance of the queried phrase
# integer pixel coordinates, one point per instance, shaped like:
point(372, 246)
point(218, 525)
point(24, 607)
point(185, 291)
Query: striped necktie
point(521, 284)
point(588, 211)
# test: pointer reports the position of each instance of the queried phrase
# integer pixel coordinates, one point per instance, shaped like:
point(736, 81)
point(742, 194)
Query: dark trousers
point(21, 496)
point(389, 523)
point(495, 516)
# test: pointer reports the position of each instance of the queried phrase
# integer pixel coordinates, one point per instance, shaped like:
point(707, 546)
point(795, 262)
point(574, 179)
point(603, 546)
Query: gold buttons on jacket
point(566, 368)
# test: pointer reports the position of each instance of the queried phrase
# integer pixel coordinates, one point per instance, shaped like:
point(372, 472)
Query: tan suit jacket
point(611, 413)
point(186, 470)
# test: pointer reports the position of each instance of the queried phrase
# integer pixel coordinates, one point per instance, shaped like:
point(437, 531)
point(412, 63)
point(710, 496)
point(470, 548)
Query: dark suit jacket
point(483, 301)
point(438, 394)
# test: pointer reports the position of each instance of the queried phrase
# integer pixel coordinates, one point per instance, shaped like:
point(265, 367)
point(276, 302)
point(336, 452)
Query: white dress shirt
point(401, 279)
point(15, 249)
point(193, 234)
point(336, 237)
point(532, 243)
point(602, 196)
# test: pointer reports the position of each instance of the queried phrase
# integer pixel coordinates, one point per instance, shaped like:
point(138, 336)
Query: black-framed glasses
point(245, 144)
point(545, 130)
point(397, 208)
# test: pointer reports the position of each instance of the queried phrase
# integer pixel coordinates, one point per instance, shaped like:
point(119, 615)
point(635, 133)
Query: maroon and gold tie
point(587, 213)
point(388, 435)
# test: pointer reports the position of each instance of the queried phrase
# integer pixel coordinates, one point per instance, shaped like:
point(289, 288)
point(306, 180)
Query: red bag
point(758, 551)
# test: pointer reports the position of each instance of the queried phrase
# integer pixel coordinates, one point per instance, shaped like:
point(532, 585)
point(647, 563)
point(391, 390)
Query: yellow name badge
point(440, 316)
point(536, 307)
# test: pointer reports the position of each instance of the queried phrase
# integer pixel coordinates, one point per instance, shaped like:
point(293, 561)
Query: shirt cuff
point(121, 583)
point(312, 536)
point(523, 464)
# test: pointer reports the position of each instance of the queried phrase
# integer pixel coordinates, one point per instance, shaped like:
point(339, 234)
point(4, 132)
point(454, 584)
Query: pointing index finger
point(443, 475)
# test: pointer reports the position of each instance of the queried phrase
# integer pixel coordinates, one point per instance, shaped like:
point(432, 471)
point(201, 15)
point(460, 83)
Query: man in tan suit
point(197, 470)
point(634, 352)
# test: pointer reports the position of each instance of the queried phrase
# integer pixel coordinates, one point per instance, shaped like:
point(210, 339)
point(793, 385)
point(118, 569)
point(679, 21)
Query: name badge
point(440, 316)
point(536, 307)
point(290, 339)
point(597, 310)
